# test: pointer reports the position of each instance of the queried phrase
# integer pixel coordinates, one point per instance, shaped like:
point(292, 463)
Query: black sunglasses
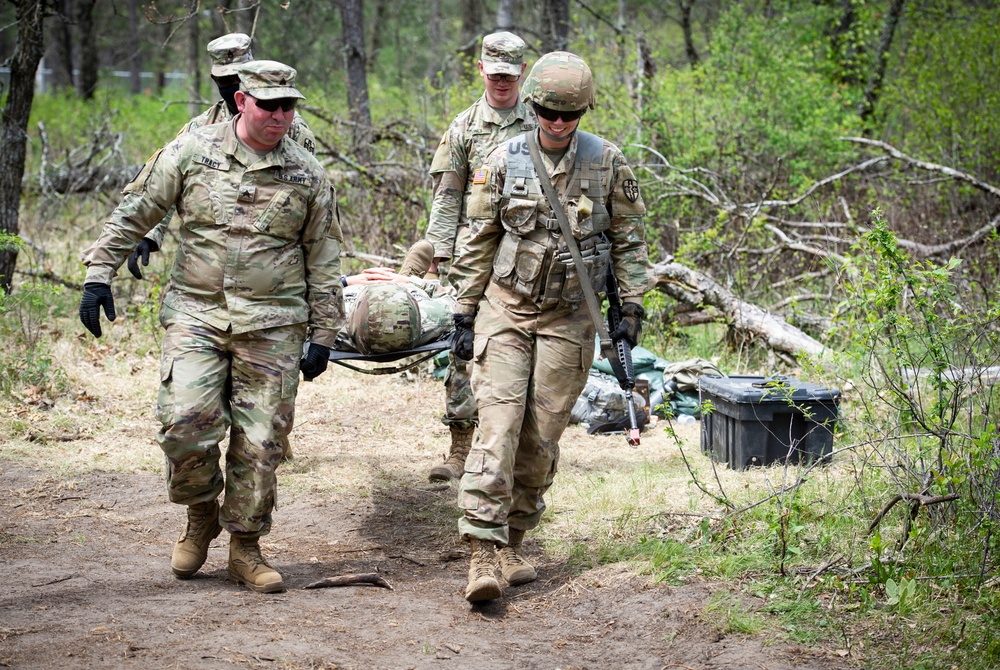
point(286, 104)
point(509, 78)
point(555, 114)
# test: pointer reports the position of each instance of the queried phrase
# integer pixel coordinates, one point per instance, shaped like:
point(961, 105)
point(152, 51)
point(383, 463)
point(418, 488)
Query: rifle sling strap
point(593, 304)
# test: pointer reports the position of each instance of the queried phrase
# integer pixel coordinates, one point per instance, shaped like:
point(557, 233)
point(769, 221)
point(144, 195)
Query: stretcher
point(410, 357)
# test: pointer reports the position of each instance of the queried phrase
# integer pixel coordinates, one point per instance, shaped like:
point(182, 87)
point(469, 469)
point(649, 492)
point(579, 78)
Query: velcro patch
point(630, 187)
point(479, 176)
point(292, 178)
point(205, 160)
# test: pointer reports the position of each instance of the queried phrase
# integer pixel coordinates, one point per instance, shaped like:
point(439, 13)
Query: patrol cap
point(268, 80)
point(503, 53)
point(228, 53)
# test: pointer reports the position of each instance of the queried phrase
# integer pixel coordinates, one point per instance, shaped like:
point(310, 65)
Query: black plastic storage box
point(760, 420)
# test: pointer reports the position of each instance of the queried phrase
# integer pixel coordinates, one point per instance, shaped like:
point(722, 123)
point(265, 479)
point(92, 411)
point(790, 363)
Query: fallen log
point(696, 289)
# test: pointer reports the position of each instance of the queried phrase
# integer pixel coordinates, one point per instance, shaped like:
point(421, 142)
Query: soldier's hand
point(95, 296)
point(461, 345)
point(631, 324)
point(315, 361)
point(141, 251)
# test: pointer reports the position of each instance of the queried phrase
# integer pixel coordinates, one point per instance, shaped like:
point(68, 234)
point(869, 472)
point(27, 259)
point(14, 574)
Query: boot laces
point(198, 525)
point(511, 557)
point(251, 553)
point(485, 567)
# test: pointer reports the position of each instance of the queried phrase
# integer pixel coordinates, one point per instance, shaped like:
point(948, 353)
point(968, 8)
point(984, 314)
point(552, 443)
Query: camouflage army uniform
point(299, 132)
point(465, 145)
point(390, 316)
point(228, 54)
point(257, 270)
point(534, 337)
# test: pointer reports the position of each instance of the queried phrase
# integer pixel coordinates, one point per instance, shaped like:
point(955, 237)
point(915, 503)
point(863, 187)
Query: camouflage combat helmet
point(560, 80)
point(385, 318)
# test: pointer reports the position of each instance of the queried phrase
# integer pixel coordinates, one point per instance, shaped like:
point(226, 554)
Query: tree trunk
point(697, 290)
point(874, 87)
point(87, 84)
point(506, 10)
point(61, 60)
point(194, 66)
point(843, 45)
point(472, 26)
point(134, 59)
point(220, 17)
point(378, 27)
point(353, 19)
point(246, 17)
point(434, 38)
point(556, 37)
point(162, 62)
point(27, 54)
point(689, 50)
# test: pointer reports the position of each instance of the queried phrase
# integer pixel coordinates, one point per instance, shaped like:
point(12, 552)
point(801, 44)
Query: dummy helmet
point(560, 80)
point(385, 318)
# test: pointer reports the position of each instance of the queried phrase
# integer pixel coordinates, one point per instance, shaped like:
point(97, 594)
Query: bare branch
point(919, 499)
point(932, 167)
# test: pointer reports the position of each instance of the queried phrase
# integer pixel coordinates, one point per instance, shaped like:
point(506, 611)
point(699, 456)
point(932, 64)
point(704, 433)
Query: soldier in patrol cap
point(229, 53)
point(496, 117)
point(521, 317)
point(256, 273)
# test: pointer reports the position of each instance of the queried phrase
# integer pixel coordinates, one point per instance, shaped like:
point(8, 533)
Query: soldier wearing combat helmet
point(496, 117)
point(520, 317)
point(256, 273)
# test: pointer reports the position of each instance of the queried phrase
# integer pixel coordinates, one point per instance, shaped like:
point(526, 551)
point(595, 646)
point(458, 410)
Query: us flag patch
point(479, 176)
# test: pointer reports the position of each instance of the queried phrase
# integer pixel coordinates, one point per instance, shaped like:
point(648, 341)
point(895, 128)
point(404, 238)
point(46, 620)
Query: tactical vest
point(532, 259)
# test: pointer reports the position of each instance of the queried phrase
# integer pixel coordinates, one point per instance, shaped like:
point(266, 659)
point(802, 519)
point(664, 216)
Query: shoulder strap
point(520, 170)
point(560, 213)
point(585, 177)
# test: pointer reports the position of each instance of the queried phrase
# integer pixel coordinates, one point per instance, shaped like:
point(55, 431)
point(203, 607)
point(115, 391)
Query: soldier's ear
point(241, 100)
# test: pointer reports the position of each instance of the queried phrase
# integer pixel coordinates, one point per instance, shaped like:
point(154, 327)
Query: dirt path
point(88, 585)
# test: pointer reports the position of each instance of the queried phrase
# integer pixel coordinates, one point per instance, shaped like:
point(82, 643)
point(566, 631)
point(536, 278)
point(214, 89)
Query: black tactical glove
point(461, 345)
point(143, 250)
point(315, 361)
point(631, 324)
point(96, 295)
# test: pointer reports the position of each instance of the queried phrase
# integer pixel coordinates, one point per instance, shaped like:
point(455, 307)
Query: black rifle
point(622, 363)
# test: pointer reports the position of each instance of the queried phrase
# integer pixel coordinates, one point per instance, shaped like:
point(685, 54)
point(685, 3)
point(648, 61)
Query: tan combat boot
point(483, 584)
point(454, 466)
point(247, 566)
point(191, 548)
point(286, 449)
point(513, 567)
point(418, 259)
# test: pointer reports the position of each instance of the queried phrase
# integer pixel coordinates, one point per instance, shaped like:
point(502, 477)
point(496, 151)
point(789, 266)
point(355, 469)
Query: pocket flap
point(519, 215)
point(166, 370)
point(503, 262)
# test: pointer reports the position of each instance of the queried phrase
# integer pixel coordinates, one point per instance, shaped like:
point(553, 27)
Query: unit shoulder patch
point(630, 187)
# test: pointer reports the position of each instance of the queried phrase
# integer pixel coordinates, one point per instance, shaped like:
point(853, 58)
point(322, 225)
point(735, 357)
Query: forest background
point(821, 185)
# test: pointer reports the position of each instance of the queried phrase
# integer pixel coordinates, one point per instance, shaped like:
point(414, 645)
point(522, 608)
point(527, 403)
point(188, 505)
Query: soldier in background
point(496, 117)
point(520, 316)
point(229, 53)
point(256, 273)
